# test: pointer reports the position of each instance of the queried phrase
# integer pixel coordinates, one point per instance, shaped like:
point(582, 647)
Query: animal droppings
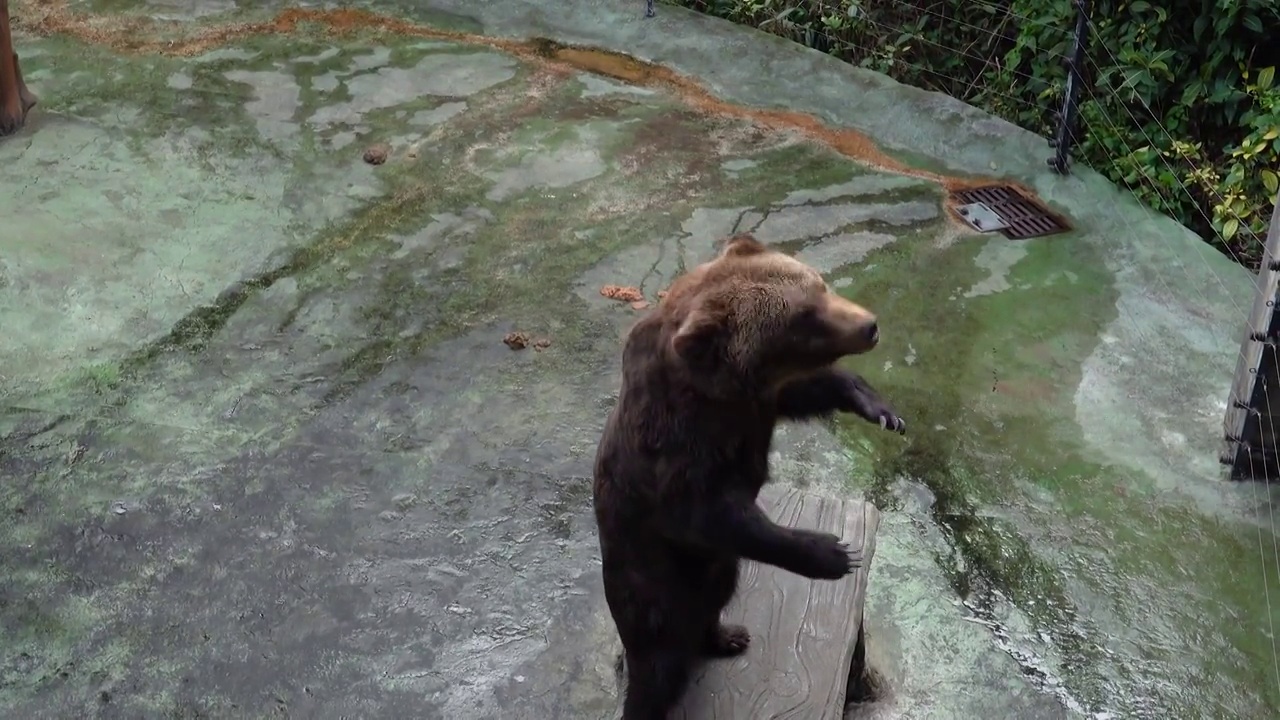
point(518, 340)
point(622, 293)
point(377, 154)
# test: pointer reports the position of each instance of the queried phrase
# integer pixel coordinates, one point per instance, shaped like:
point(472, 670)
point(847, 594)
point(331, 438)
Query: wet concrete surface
point(266, 454)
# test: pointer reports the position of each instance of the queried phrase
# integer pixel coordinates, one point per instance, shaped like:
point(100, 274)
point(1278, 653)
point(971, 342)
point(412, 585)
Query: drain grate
point(1022, 216)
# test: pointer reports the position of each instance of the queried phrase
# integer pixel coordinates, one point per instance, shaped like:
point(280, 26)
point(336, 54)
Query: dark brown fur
point(739, 342)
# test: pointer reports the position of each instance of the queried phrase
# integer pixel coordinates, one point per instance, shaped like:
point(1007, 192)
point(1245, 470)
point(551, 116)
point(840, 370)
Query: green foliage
point(1181, 107)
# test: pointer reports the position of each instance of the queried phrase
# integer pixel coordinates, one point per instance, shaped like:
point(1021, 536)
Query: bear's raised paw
point(889, 421)
point(829, 558)
point(728, 640)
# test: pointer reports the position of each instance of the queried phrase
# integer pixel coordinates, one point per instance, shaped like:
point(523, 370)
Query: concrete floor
point(266, 454)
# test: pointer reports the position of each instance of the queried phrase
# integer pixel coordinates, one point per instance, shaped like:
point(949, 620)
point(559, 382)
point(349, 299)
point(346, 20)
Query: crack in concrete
point(653, 269)
point(193, 331)
point(764, 215)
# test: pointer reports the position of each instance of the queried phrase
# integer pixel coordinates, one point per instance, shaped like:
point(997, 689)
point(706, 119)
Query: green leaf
point(1270, 181)
point(1253, 23)
point(1192, 92)
point(1133, 78)
point(1266, 76)
point(1229, 228)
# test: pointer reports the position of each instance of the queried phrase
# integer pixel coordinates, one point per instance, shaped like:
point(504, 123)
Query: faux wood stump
point(807, 655)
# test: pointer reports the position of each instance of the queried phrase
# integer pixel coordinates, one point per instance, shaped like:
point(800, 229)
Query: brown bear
point(738, 343)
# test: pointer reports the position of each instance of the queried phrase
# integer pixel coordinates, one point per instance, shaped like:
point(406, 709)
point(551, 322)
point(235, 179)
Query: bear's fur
point(739, 342)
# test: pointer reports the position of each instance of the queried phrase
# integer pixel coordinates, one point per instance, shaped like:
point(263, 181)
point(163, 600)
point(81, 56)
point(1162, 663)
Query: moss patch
point(989, 399)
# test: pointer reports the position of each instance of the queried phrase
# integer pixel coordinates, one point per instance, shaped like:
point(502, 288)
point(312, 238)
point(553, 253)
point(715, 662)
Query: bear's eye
point(808, 317)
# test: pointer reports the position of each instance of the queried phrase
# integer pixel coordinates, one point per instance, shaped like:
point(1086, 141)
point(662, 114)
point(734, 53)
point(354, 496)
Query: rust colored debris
point(622, 293)
point(518, 340)
point(377, 154)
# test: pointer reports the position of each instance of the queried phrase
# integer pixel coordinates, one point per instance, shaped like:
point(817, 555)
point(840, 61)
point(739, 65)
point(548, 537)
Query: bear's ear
point(695, 340)
point(742, 245)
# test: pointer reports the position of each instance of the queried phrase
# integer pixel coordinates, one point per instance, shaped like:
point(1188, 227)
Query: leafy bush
point(1181, 107)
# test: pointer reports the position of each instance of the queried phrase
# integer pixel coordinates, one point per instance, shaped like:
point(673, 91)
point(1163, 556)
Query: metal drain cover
point(981, 218)
point(1020, 216)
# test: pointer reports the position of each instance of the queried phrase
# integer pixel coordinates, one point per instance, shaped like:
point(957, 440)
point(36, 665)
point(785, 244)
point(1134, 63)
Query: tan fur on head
point(762, 313)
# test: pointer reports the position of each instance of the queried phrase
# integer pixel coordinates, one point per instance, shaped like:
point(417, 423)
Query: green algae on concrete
point(194, 465)
point(276, 460)
point(1029, 526)
point(1126, 411)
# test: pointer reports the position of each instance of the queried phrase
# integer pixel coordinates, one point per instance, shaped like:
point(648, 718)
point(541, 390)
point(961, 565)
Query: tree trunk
point(15, 98)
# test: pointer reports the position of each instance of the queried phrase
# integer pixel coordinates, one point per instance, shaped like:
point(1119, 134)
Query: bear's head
point(755, 318)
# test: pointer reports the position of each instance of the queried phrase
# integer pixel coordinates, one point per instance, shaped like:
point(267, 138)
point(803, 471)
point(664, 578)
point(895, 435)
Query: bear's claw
point(889, 421)
point(831, 559)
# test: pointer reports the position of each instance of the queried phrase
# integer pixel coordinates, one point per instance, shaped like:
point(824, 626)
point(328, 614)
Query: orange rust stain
point(605, 63)
point(849, 143)
point(129, 35)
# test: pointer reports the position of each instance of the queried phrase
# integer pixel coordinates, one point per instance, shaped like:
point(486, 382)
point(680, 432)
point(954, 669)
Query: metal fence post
point(1249, 427)
point(1066, 135)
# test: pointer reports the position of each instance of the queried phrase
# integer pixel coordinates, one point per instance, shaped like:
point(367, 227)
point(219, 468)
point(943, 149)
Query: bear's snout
point(854, 325)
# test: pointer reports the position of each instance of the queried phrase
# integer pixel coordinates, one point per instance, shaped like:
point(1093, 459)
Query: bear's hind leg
point(721, 640)
point(655, 682)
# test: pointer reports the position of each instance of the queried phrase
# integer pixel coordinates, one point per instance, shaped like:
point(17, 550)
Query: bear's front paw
point(727, 641)
point(831, 559)
point(889, 421)
point(859, 397)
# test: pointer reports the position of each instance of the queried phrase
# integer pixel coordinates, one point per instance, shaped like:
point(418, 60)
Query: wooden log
point(15, 99)
point(805, 633)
